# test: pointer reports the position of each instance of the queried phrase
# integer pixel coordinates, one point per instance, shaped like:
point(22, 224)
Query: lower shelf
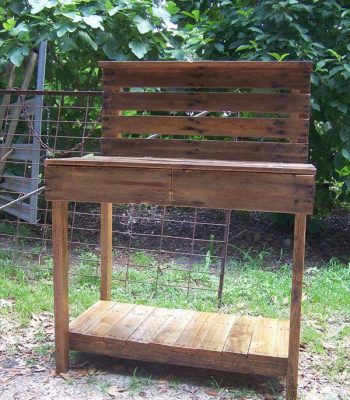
point(219, 341)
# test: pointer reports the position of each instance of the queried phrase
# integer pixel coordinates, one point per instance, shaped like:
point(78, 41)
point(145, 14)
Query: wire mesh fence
point(154, 248)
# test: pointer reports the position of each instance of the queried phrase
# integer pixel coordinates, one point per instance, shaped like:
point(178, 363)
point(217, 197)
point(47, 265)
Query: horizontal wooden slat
point(204, 101)
point(212, 65)
point(291, 128)
point(176, 163)
point(258, 191)
point(204, 77)
point(206, 149)
point(125, 185)
point(286, 193)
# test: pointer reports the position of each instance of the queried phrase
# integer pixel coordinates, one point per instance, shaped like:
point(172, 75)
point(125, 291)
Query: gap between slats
point(200, 101)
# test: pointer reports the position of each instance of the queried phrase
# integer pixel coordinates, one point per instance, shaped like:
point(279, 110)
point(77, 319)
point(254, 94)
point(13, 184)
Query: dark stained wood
point(243, 191)
point(288, 192)
point(295, 307)
point(60, 270)
point(243, 79)
point(204, 101)
point(292, 75)
point(206, 149)
point(150, 66)
point(110, 184)
point(279, 128)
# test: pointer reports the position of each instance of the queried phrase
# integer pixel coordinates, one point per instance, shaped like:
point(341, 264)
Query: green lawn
point(250, 287)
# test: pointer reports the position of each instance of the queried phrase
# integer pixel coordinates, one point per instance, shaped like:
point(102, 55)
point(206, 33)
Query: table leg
point(60, 264)
point(295, 309)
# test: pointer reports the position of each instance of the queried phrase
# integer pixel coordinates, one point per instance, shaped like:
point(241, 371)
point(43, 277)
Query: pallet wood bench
point(270, 175)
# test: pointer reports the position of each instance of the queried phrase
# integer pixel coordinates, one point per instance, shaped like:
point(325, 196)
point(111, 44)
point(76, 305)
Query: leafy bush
point(80, 32)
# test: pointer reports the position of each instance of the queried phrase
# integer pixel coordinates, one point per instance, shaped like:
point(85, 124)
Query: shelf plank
point(263, 339)
point(214, 333)
point(240, 336)
point(173, 328)
point(90, 316)
point(188, 338)
point(245, 344)
point(151, 325)
point(126, 326)
point(282, 335)
point(104, 323)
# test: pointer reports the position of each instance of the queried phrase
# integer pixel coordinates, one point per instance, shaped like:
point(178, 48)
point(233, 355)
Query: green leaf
point(142, 25)
point(38, 5)
point(346, 154)
point(138, 48)
point(68, 44)
point(320, 64)
point(219, 47)
point(342, 107)
point(344, 134)
point(275, 55)
point(9, 24)
point(20, 28)
point(61, 31)
point(87, 39)
point(161, 13)
point(335, 54)
point(244, 47)
point(94, 21)
point(17, 55)
point(172, 7)
point(315, 105)
point(114, 10)
point(110, 47)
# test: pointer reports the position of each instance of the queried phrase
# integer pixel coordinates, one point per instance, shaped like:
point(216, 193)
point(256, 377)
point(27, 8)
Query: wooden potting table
point(266, 171)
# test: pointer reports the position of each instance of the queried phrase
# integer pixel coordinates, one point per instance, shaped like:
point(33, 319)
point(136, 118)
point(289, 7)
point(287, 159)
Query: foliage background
point(81, 32)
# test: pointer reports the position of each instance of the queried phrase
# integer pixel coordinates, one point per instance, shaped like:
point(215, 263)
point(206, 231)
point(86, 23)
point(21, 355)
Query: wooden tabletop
point(176, 163)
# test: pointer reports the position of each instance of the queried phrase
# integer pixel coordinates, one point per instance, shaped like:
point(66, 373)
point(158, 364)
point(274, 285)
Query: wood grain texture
point(243, 191)
point(264, 338)
point(213, 335)
point(214, 66)
point(114, 185)
point(181, 337)
point(295, 307)
point(60, 266)
point(181, 164)
point(106, 250)
point(206, 150)
point(240, 336)
point(264, 191)
point(89, 316)
point(105, 321)
point(206, 79)
point(210, 74)
point(204, 101)
point(277, 128)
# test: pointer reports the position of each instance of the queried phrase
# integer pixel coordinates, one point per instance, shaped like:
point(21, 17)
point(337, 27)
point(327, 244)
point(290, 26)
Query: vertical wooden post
point(60, 265)
point(106, 250)
point(295, 308)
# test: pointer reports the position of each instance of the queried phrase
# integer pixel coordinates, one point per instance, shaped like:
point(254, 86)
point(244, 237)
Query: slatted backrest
point(260, 109)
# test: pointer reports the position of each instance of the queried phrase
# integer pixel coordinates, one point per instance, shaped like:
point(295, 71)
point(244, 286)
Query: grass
point(251, 287)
